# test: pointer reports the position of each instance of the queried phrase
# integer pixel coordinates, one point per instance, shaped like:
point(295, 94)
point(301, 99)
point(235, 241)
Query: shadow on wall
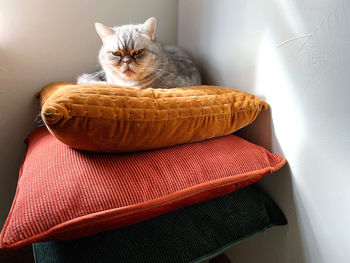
point(18, 108)
point(287, 243)
point(286, 240)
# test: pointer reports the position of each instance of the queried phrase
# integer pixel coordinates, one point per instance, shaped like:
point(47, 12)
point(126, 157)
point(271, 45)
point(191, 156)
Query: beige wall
point(43, 41)
point(294, 54)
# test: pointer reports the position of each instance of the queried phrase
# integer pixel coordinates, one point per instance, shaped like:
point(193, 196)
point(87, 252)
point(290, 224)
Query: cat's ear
point(149, 27)
point(103, 31)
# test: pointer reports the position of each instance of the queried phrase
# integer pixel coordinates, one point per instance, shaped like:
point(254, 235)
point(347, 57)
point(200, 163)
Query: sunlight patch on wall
point(291, 15)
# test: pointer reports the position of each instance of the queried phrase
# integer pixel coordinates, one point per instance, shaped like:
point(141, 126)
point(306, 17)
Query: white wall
point(44, 41)
point(296, 55)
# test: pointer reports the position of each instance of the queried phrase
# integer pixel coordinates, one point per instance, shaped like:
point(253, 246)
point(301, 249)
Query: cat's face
point(130, 51)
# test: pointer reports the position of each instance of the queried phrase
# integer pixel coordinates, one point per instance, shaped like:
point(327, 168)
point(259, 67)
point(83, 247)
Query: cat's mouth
point(129, 71)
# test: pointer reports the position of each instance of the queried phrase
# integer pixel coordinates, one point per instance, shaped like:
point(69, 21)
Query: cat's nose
point(127, 61)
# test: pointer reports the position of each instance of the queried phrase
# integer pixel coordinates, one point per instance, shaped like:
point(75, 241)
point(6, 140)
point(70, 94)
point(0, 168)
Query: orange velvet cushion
point(109, 118)
point(64, 193)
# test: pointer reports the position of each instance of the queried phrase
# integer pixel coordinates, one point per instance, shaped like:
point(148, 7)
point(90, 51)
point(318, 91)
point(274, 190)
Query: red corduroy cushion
point(64, 193)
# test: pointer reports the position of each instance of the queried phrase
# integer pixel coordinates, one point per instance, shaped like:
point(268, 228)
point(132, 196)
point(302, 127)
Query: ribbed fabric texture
point(64, 193)
point(191, 234)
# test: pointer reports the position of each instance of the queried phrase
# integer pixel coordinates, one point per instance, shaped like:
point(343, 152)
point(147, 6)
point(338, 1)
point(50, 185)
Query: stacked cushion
point(191, 234)
point(64, 193)
point(110, 118)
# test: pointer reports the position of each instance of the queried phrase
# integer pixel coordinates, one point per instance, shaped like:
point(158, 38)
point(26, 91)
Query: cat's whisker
point(38, 120)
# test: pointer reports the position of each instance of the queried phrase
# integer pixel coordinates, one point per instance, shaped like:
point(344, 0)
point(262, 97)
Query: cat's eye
point(117, 54)
point(137, 52)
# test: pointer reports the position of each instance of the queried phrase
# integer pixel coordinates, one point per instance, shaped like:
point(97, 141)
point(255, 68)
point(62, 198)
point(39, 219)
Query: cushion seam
point(259, 107)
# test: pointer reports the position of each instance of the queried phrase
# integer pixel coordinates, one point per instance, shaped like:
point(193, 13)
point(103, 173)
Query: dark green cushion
point(190, 234)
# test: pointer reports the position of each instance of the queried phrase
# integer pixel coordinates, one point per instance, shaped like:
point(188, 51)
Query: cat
point(131, 56)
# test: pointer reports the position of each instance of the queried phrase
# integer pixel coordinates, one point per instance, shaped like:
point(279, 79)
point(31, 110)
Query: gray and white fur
point(131, 56)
